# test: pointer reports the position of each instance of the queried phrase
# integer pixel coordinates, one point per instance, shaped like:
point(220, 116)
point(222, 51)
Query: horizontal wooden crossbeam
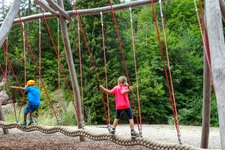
point(86, 12)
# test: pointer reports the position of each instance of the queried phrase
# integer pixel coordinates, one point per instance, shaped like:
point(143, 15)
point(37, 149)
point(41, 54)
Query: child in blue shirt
point(33, 95)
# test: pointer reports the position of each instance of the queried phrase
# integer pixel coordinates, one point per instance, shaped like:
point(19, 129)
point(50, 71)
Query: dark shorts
point(128, 112)
point(30, 108)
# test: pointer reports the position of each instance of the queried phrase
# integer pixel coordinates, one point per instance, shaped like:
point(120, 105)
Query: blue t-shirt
point(33, 95)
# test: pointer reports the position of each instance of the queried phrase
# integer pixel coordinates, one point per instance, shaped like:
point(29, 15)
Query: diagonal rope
point(124, 61)
point(55, 49)
point(166, 74)
point(14, 75)
point(173, 101)
point(205, 42)
point(13, 99)
point(90, 54)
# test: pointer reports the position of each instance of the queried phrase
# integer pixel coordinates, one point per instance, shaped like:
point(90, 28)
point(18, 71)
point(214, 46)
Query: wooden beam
point(70, 62)
point(60, 10)
point(47, 8)
point(217, 52)
point(86, 12)
point(6, 25)
point(222, 8)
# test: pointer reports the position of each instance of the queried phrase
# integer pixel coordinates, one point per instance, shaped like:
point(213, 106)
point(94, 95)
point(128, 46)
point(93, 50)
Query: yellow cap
point(30, 82)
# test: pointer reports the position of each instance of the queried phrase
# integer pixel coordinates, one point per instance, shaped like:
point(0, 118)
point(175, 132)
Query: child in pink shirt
point(122, 103)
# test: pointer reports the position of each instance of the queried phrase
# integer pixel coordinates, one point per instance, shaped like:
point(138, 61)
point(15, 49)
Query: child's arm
point(128, 90)
point(17, 87)
point(105, 90)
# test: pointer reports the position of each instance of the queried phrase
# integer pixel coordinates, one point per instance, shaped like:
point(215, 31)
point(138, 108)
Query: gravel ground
point(18, 140)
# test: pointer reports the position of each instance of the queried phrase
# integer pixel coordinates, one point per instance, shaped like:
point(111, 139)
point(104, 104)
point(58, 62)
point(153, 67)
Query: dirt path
point(18, 140)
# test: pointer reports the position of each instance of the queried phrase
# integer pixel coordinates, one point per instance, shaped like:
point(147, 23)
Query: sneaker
point(134, 134)
point(112, 131)
point(24, 123)
point(30, 123)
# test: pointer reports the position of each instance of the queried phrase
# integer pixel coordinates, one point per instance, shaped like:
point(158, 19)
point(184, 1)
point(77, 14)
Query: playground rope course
point(81, 132)
point(100, 137)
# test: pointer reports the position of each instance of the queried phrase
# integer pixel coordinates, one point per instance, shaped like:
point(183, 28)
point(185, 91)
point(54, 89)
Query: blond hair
point(122, 79)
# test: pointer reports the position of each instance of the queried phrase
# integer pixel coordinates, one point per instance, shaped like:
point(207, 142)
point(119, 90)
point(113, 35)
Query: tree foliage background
point(185, 54)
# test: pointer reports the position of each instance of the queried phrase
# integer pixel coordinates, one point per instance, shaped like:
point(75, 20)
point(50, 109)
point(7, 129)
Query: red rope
point(168, 82)
point(135, 67)
point(105, 68)
point(89, 51)
point(53, 43)
point(13, 72)
point(205, 44)
point(33, 58)
point(123, 58)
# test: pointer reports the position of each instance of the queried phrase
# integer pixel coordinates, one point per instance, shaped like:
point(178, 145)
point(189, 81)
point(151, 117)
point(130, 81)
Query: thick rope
point(105, 68)
point(174, 108)
point(55, 49)
point(148, 143)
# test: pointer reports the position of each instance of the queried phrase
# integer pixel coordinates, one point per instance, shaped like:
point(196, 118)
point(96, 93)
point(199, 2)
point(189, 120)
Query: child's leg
point(130, 116)
point(131, 121)
point(25, 112)
point(115, 123)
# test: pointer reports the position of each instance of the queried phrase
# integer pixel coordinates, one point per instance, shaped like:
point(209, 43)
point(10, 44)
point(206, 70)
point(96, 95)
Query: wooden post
point(4, 30)
point(72, 70)
point(217, 48)
point(8, 21)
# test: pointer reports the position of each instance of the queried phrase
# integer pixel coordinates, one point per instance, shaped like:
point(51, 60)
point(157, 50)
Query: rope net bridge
point(80, 113)
point(154, 145)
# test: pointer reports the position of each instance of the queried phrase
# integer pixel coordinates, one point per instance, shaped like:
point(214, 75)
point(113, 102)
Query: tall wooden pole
point(217, 48)
point(72, 70)
point(206, 110)
point(4, 30)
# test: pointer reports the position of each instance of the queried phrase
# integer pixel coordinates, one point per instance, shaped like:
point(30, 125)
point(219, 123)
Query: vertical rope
point(135, 68)
point(81, 71)
point(105, 68)
point(89, 51)
point(24, 56)
point(174, 108)
point(124, 61)
point(36, 65)
point(59, 78)
point(39, 48)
